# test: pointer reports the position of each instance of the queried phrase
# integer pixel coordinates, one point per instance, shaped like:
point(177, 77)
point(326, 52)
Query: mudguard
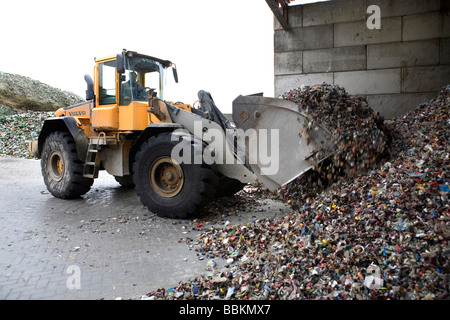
point(151, 130)
point(64, 124)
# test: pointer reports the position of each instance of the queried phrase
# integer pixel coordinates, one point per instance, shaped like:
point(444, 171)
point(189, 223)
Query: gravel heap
point(380, 235)
point(24, 93)
point(24, 104)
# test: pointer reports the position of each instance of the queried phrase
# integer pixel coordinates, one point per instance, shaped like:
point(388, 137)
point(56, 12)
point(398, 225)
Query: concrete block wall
point(397, 67)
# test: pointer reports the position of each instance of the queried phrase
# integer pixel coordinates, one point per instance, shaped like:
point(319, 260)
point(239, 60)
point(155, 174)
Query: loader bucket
point(288, 142)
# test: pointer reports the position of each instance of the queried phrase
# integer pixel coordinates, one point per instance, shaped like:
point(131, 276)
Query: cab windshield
point(143, 78)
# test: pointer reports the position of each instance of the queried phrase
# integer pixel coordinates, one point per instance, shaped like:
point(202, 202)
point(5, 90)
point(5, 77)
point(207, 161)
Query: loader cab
point(141, 79)
point(123, 85)
point(130, 77)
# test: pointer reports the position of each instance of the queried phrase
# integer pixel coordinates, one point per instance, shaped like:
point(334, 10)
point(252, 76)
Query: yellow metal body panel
point(106, 58)
point(81, 111)
point(82, 115)
point(134, 116)
point(105, 117)
point(183, 106)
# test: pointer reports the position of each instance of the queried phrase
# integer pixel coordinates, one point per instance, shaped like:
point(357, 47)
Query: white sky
point(224, 47)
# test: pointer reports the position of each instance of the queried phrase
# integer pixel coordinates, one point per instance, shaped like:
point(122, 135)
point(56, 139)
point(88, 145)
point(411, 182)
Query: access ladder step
point(93, 159)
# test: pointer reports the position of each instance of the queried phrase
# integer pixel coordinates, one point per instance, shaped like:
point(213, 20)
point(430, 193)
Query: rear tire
point(61, 168)
point(168, 188)
point(125, 181)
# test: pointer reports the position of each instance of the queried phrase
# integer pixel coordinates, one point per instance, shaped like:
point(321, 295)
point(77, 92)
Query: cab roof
point(165, 63)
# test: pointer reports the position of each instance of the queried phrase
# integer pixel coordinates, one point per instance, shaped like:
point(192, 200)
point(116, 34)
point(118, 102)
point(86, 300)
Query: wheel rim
point(56, 166)
point(166, 177)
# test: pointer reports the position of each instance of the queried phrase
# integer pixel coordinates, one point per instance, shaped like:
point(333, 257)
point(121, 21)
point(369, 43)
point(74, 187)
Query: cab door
point(105, 116)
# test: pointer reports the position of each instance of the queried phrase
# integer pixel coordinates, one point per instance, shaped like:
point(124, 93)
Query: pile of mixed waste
point(379, 231)
point(18, 128)
point(358, 134)
point(24, 104)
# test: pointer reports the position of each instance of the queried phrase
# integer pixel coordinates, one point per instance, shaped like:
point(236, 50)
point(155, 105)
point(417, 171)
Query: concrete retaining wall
point(397, 67)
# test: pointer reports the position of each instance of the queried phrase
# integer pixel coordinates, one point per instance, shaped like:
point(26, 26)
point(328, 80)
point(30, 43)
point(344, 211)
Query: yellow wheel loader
point(178, 157)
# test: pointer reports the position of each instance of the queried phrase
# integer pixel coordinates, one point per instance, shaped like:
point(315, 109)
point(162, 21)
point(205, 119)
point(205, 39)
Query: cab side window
point(107, 82)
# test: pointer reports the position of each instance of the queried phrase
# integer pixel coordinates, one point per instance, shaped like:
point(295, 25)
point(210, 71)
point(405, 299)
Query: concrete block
point(404, 54)
point(333, 12)
point(357, 33)
point(298, 39)
point(391, 106)
point(335, 59)
point(426, 26)
point(284, 84)
point(445, 51)
point(425, 79)
point(288, 63)
point(398, 8)
point(295, 18)
point(369, 82)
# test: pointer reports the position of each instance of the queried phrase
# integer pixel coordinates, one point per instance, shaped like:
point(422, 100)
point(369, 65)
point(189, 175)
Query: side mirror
point(120, 63)
point(175, 74)
point(90, 87)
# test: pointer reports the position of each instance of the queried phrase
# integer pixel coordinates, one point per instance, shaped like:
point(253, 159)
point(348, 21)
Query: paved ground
point(103, 246)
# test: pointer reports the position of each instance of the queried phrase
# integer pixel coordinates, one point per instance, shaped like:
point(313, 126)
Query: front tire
point(228, 187)
point(62, 169)
point(166, 187)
